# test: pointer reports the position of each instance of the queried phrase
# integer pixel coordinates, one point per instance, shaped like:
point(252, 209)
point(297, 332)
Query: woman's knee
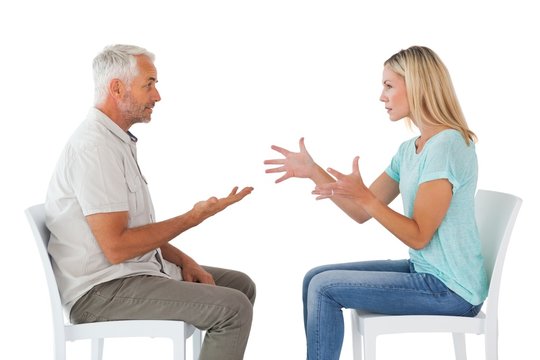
point(312, 273)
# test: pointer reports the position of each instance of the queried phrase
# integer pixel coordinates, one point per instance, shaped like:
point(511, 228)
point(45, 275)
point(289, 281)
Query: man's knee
point(250, 288)
point(246, 310)
point(234, 279)
point(237, 310)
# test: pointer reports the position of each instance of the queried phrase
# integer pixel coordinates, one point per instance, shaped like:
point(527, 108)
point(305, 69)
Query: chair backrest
point(36, 218)
point(496, 214)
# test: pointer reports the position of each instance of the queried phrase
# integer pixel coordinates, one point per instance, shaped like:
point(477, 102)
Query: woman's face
point(394, 95)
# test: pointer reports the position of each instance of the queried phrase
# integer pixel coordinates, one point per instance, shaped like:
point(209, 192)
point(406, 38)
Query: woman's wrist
point(320, 176)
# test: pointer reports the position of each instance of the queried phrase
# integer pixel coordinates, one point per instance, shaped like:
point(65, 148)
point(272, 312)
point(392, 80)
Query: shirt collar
point(100, 117)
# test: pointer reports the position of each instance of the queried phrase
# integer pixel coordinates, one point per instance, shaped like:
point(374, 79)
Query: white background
point(236, 77)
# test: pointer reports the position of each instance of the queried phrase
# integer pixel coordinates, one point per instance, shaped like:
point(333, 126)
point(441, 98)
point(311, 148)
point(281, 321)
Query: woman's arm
point(430, 206)
point(301, 165)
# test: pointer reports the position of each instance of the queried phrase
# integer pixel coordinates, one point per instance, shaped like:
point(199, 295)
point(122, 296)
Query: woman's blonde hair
point(431, 95)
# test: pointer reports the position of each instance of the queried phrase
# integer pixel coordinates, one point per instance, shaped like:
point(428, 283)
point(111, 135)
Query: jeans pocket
point(108, 290)
point(87, 317)
point(436, 286)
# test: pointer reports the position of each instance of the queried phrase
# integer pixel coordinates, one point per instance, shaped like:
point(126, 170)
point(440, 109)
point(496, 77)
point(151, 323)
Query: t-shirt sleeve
point(449, 159)
point(393, 169)
point(98, 179)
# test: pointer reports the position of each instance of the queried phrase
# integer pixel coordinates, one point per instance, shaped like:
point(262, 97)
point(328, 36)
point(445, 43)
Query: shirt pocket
point(135, 196)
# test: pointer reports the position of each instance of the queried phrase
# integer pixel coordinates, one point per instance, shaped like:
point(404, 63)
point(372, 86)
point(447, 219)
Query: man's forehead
point(146, 68)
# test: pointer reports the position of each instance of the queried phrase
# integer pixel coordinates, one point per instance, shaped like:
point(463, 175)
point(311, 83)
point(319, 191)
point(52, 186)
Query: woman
point(436, 175)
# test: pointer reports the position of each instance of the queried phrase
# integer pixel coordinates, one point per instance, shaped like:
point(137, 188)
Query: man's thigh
point(233, 279)
point(158, 298)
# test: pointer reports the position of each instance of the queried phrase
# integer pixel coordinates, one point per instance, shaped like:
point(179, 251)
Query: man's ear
point(116, 88)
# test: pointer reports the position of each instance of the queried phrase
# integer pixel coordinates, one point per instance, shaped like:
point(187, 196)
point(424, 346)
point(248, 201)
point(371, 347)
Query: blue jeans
point(385, 287)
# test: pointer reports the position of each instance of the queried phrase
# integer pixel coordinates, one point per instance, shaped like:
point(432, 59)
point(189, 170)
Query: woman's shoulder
point(451, 138)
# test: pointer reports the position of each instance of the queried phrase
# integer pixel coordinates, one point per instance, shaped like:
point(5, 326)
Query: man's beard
point(133, 112)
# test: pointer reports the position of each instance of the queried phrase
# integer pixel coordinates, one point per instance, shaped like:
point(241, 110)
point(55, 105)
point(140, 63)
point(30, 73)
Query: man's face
point(141, 96)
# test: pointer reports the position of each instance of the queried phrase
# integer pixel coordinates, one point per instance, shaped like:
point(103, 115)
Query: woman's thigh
point(387, 292)
point(373, 265)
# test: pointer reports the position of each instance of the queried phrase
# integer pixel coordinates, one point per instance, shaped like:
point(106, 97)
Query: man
point(111, 258)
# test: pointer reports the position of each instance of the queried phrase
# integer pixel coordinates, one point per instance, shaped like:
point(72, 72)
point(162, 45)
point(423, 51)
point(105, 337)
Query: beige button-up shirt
point(97, 173)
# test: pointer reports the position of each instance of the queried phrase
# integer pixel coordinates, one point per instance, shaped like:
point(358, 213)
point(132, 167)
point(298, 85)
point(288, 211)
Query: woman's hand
point(295, 164)
point(346, 186)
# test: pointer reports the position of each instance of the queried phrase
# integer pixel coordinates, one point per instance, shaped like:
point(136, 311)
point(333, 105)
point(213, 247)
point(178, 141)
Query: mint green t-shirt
point(454, 253)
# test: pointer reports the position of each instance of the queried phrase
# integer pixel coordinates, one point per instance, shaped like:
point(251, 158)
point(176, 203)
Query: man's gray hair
point(115, 62)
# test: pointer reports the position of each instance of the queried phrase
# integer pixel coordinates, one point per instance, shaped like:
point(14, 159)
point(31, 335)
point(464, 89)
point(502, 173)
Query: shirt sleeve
point(98, 179)
point(449, 159)
point(393, 170)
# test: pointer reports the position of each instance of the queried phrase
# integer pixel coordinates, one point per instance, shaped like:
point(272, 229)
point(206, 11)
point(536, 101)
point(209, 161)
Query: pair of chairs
point(178, 331)
point(496, 214)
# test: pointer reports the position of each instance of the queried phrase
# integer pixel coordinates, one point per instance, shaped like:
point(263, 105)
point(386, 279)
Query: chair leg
point(492, 344)
point(357, 339)
point(197, 343)
point(460, 349)
point(358, 351)
point(370, 346)
point(179, 345)
point(97, 349)
point(59, 349)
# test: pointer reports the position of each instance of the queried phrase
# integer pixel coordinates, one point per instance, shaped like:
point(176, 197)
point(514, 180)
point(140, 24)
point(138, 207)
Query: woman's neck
point(426, 133)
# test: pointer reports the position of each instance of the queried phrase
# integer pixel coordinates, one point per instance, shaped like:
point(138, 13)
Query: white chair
point(495, 214)
point(177, 331)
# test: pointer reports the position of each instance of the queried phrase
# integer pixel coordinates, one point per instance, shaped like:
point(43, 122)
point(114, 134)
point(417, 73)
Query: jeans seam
point(323, 289)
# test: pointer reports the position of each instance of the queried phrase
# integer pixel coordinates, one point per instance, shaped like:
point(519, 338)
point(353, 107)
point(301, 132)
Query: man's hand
point(205, 209)
point(193, 272)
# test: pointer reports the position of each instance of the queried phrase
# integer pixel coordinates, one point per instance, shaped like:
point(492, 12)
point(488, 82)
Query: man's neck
point(112, 111)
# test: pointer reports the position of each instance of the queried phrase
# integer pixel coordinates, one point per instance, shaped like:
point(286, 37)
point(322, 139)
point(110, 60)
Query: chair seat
point(128, 328)
point(393, 324)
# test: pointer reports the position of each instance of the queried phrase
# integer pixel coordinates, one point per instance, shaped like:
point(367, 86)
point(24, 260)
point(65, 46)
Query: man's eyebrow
point(151, 78)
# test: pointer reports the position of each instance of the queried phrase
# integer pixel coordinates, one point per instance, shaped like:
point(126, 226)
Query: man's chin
point(141, 121)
